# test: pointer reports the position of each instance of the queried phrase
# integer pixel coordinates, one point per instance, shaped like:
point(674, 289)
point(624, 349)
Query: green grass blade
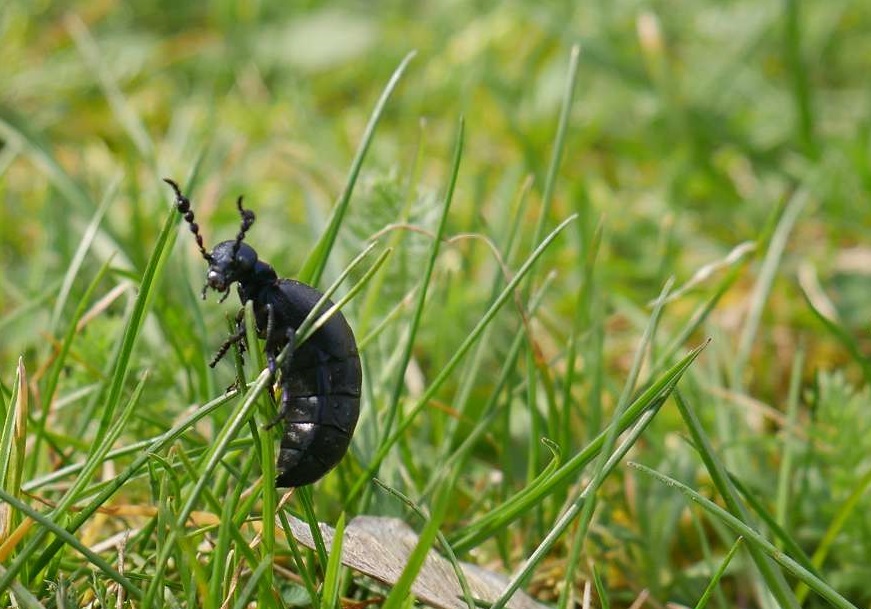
point(144, 298)
point(308, 506)
point(302, 567)
point(798, 71)
point(315, 319)
point(601, 591)
point(584, 504)
point(13, 433)
point(443, 542)
point(843, 336)
point(402, 588)
point(559, 142)
point(697, 318)
point(785, 474)
point(499, 518)
point(60, 361)
point(121, 365)
point(472, 371)
point(221, 555)
point(216, 452)
point(776, 530)
point(330, 595)
point(582, 320)
point(253, 581)
point(718, 574)
point(773, 577)
point(122, 451)
point(110, 489)
point(585, 497)
point(75, 265)
point(314, 265)
point(405, 357)
point(70, 540)
point(97, 456)
point(266, 452)
point(767, 274)
point(754, 539)
point(845, 510)
point(460, 352)
point(23, 597)
point(454, 459)
point(585, 514)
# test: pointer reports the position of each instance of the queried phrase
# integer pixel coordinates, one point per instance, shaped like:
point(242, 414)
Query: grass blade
point(559, 142)
point(399, 384)
point(773, 577)
point(23, 597)
point(844, 512)
point(156, 445)
point(253, 581)
point(584, 498)
point(70, 540)
point(496, 520)
point(767, 274)
point(718, 574)
point(316, 262)
point(13, 445)
point(753, 538)
point(330, 595)
point(402, 588)
point(461, 351)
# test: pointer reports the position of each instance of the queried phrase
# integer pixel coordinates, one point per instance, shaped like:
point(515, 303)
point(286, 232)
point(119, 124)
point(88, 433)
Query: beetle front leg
point(237, 336)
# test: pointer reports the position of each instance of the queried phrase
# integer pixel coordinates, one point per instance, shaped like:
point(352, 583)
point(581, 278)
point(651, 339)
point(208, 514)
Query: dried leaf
point(380, 547)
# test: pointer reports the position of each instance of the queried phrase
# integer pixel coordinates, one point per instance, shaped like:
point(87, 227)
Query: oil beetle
point(320, 379)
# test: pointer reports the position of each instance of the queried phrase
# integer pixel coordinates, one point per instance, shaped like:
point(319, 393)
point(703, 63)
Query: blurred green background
point(696, 126)
point(693, 121)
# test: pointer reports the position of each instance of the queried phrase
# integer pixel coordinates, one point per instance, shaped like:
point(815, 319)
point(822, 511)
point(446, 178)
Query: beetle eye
point(216, 280)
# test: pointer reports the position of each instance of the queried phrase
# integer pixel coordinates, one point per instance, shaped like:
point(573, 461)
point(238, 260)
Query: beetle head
point(230, 261)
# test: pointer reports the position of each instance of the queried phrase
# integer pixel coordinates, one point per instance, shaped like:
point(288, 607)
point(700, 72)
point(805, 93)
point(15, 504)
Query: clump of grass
point(515, 350)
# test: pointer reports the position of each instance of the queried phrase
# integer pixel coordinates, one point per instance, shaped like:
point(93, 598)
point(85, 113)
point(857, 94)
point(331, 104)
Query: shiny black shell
point(320, 385)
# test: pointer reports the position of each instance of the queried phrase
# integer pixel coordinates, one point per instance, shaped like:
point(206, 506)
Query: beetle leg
point(270, 346)
point(290, 334)
point(291, 340)
point(233, 338)
point(285, 371)
point(276, 420)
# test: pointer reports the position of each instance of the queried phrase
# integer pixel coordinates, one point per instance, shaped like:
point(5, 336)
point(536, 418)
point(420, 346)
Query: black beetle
point(320, 379)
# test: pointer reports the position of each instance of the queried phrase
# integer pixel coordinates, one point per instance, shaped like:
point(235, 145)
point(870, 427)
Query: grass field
point(643, 217)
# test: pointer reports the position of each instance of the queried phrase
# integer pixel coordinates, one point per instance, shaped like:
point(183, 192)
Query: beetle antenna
point(247, 220)
point(183, 205)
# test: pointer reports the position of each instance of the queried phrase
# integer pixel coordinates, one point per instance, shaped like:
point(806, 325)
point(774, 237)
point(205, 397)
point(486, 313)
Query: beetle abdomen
point(320, 405)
